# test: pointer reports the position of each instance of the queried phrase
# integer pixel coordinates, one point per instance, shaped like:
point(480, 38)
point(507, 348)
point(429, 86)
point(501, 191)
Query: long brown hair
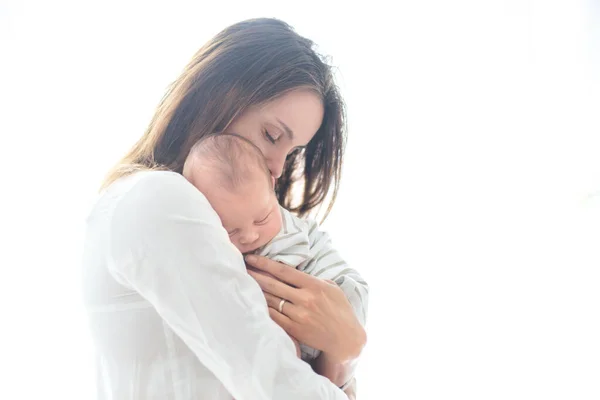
point(247, 64)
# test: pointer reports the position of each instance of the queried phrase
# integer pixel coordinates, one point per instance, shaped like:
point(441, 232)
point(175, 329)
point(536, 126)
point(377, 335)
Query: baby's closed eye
point(264, 220)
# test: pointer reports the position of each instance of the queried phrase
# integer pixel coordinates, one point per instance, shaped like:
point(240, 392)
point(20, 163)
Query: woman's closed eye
point(233, 232)
point(270, 138)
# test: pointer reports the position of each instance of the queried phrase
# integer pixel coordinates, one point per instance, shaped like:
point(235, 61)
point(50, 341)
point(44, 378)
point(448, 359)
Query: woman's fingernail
point(250, 258)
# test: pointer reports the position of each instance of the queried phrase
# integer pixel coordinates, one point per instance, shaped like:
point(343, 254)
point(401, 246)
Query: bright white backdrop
point(467, 201)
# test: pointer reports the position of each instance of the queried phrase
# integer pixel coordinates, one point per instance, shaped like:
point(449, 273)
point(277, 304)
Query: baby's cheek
point(273, 229)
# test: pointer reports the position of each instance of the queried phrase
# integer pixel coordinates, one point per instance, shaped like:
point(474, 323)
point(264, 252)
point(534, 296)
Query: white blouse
point(173, 313)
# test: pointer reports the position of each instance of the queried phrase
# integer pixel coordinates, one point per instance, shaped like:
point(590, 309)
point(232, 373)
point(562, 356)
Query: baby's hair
point(232, 159)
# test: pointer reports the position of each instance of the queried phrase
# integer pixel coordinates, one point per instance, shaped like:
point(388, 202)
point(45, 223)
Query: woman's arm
point(326, 263)
point(316, 312)
point(340, 373)
point(303, 240)
point(168, 245)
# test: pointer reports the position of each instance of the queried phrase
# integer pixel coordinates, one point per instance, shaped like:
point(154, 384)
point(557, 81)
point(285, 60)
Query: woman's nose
point(276, 167)
point(249, 238)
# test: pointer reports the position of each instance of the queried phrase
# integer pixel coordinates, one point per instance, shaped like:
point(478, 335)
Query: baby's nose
point(249, 237)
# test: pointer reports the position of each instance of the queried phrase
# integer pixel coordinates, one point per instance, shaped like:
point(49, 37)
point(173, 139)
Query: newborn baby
point(233, 175)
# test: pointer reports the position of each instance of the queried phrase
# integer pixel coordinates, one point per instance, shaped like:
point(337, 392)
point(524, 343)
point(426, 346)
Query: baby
point(233, 175)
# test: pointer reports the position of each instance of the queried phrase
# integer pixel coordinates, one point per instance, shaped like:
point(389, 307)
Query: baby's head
point(233, 175)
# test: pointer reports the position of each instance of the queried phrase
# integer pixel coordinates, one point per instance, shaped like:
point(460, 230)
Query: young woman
point(174, 313)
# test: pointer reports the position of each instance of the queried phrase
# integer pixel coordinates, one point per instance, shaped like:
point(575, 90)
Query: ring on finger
point(281, 303)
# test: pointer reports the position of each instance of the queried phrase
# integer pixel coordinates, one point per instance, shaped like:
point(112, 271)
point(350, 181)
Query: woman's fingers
point(282, 272)
point(316, 312)
point(271, 285)
point(283, 321)
point(274, 301)
point(289, 309)
point(286, 323)
point(298, 316)
point(321, 317)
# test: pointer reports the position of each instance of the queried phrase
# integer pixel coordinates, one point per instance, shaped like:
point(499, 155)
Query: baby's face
point(250, 215)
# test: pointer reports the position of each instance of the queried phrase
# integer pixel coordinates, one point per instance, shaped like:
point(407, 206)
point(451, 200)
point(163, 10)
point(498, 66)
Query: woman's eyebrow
point(286, 128)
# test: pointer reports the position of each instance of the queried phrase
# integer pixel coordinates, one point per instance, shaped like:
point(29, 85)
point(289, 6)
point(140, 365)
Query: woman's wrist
point(348, 350)
point(339, 373)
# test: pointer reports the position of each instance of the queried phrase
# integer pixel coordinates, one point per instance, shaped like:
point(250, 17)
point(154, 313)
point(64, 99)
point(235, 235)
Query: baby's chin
point(251, 250)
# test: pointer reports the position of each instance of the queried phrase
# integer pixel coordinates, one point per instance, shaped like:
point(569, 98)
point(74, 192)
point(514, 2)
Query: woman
point(174, 313)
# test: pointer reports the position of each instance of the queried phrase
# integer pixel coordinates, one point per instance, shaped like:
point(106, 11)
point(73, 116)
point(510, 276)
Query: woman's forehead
point(301, 111)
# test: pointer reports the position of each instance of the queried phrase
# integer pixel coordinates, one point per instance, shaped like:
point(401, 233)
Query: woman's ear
point(273, 181)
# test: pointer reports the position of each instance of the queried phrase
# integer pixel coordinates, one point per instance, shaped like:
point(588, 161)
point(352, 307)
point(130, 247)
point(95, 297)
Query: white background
point(469, 200)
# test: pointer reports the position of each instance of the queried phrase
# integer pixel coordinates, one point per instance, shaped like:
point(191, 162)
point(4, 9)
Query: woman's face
point(280, 126)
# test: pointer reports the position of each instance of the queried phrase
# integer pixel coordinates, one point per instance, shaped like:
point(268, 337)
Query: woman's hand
point(315, 312)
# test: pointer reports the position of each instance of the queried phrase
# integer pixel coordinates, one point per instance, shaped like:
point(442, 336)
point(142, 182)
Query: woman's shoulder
point(145, 209)
point(152, 193)
point(150, 183)
point(148, 180)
